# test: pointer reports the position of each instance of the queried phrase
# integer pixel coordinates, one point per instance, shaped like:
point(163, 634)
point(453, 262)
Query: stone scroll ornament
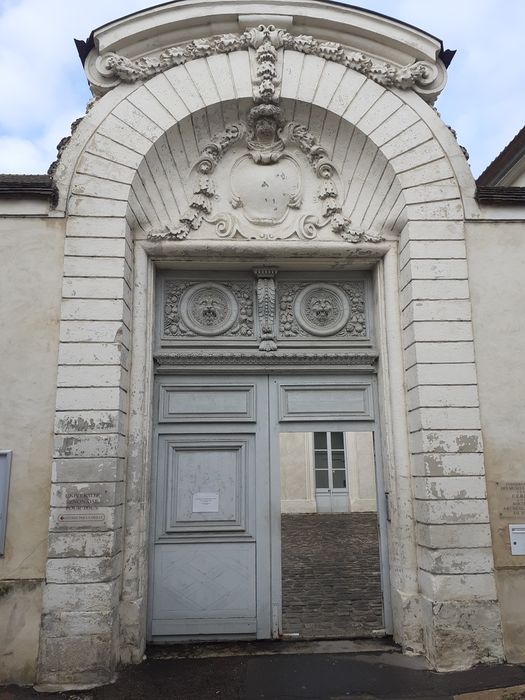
point(267, 138)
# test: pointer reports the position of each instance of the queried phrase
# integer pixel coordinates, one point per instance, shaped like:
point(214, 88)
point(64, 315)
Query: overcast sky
point(43, 88)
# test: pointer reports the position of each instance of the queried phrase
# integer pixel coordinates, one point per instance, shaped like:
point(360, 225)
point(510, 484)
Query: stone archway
point(124, 188)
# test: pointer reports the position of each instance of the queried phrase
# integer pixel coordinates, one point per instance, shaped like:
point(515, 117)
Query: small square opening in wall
point(517, 539)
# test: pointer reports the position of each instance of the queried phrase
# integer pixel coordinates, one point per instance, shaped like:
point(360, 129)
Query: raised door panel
point(198, 403)
point(205, 589)
point(324, 399)
point(203, 483)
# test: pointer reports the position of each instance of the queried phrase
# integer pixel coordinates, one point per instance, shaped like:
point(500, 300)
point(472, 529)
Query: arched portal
point(166, 170)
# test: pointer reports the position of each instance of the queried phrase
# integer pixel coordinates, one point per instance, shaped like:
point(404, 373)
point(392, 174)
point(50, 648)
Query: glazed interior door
point(211, 550)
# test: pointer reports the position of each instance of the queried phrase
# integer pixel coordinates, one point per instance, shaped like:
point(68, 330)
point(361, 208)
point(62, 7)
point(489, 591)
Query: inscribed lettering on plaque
point(511, 499)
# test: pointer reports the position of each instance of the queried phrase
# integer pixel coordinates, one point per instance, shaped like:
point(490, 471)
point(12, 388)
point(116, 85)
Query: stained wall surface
point(30, 293)
point(496, 258)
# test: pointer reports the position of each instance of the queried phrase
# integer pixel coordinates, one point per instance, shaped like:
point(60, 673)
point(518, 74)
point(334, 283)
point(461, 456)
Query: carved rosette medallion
point(208, 309)
point(321, 309)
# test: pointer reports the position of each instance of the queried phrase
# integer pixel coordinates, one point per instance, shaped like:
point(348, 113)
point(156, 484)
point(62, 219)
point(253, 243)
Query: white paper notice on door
point(205, 503)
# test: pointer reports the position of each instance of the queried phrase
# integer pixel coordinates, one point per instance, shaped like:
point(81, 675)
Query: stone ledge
point(28, 187)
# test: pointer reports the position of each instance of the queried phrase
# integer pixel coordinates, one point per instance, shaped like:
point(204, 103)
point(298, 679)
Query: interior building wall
point(297, 472)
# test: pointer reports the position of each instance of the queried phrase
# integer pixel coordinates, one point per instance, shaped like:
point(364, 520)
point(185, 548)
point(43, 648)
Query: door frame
point(392, 447)
point(270, 541)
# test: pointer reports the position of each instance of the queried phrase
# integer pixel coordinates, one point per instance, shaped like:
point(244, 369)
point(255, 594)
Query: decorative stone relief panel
point(322, 310)
point(208, 309)
point(263, 311)
point(107, 70)
point(275, 181)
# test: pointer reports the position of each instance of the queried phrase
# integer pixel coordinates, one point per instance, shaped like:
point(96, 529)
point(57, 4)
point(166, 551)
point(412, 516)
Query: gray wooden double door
point(216, 512)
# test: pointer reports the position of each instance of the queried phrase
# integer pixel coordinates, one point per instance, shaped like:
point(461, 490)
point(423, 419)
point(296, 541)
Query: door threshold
point(267, 648)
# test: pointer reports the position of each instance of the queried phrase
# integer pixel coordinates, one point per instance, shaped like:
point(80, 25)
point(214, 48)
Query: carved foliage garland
point(418, 74)
point(263, 197)
point(266, 298)
point(201, 202)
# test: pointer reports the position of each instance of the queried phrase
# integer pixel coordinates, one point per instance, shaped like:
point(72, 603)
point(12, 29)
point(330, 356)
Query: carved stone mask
point(265, 130)
point(209, 312)
point(321, 309)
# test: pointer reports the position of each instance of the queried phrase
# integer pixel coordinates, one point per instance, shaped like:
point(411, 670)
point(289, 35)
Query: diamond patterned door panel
point(204, 588)
point(210, 535)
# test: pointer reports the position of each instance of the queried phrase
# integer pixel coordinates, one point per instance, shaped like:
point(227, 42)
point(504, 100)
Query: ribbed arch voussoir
point(147, 142)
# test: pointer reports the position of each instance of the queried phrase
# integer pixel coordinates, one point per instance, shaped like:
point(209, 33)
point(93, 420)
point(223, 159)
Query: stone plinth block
point(460, 634)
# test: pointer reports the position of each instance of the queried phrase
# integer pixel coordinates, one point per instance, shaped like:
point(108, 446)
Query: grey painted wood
point(197, 403)
point(210, 554)
point(325, 398)
point(216, 568)
point(5, 475)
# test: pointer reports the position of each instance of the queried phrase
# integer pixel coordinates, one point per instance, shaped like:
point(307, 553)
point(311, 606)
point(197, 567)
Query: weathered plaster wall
point(30, 294)
point(361, 471)
point(496, 259)
point(297, 481)
point(297, 489)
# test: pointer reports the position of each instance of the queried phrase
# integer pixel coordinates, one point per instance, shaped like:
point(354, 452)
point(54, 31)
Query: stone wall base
point(76, 662)
point(406, 611)
point(20, 611)
point(132, 638)
point(459, 634)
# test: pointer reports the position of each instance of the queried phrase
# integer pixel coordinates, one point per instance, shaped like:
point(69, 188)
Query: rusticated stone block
point(460, 634)
point(63, 660)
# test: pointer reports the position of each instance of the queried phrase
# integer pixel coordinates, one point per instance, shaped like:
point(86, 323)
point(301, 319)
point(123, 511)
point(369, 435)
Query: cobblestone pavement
point(331, 580)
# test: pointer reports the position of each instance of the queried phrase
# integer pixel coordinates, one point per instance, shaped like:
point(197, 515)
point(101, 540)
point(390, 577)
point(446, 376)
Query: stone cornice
point(143, 45)
point(176, 360)
point(28, 187)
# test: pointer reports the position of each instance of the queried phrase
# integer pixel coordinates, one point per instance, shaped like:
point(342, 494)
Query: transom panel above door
point(263, 309)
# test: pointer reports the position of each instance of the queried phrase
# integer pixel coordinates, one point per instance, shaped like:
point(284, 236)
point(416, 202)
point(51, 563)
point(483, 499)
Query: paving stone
point(331, 577)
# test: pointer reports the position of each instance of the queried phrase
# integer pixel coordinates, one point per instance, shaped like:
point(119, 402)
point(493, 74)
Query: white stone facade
point(401, 193)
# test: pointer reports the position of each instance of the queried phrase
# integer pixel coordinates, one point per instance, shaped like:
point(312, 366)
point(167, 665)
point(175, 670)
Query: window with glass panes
point(329, 461)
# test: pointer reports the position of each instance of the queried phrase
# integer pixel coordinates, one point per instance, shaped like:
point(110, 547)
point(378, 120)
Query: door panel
point(205, 589)
point(215, 526)
point(193, 402)
point(324, 398)
point(202, 482)
point(211, 546)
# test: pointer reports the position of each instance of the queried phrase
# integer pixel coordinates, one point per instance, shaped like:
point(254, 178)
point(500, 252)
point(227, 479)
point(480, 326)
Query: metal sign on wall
point(5, 473)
